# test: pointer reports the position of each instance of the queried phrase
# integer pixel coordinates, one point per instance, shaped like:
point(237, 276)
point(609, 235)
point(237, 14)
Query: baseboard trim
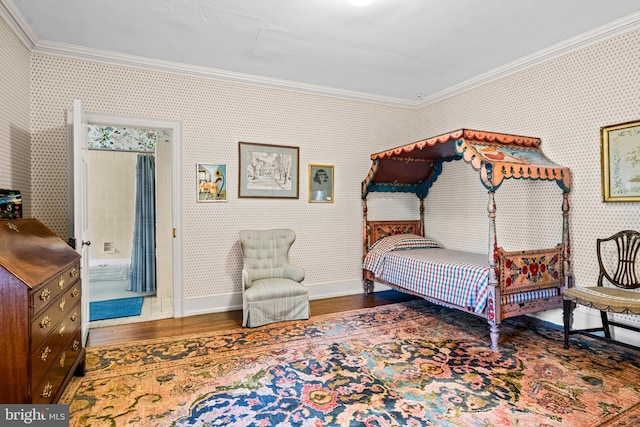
point(230, 302)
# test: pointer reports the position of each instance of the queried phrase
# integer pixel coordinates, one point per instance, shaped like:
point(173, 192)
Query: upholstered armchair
point(271, 288)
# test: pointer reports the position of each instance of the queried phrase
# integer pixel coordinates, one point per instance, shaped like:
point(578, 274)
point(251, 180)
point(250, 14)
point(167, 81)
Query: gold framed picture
point(321, 179)
point(620, 157)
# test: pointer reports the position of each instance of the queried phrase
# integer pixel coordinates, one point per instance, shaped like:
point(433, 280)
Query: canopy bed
point(496, 285)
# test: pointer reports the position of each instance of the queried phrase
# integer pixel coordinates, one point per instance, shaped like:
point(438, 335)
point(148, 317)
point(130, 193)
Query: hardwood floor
point(228, 320)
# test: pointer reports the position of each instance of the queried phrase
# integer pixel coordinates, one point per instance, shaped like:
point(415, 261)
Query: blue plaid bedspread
point(455, 277)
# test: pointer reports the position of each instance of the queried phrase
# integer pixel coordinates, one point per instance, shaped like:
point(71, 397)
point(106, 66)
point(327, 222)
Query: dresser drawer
point(40, 306)
point(49, 321)
point(46, 354)
point(53, 287)
point(60, 366)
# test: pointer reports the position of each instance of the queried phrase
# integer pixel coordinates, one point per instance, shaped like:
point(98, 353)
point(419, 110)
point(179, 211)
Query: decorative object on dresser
point(40, 293)
point(10, 204)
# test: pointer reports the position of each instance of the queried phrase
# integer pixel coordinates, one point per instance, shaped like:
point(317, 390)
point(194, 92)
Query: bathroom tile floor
point(112, 289)
point(153, 307)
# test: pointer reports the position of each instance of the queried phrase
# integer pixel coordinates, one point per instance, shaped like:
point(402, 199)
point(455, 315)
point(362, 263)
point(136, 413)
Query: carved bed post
point(494, 288)
point(365, 246)
point(422, 230)
point(568, 272)
point(367, 284)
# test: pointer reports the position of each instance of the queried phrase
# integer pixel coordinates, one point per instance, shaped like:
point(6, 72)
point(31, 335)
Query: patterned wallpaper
point(564, 101)
point(15, 145)
point(215, 116)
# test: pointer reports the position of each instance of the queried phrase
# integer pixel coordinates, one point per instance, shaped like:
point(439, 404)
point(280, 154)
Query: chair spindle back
point(628, 246)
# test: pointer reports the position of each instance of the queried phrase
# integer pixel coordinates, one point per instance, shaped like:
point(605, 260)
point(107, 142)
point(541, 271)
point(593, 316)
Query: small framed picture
point(320, 183)
point(620, 157)
point(212, 182)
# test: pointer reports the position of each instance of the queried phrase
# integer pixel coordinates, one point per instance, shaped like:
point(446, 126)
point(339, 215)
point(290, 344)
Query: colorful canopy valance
point(414, 168)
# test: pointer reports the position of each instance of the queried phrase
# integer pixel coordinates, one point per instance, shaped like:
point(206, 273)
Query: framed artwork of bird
point(212, 181)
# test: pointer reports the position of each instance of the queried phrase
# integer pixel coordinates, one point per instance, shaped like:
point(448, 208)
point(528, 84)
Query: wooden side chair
point(618, 298)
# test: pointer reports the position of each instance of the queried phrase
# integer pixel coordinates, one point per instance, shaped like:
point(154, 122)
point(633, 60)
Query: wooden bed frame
point(496, 310)
point(413, 168)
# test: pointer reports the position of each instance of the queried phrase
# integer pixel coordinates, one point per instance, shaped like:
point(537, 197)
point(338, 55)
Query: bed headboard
point(376, 230)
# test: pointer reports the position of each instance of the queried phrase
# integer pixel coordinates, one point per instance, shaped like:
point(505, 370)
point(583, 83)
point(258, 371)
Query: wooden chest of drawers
point(40, 313)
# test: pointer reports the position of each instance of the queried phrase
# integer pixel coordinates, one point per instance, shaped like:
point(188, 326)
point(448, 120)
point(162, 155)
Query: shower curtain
point(143, 254)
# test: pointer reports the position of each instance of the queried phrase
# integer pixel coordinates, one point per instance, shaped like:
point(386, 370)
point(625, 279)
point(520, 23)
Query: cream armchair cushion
point(271, 288)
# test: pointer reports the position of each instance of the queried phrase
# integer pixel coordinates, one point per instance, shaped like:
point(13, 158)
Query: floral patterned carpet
point(405, 364)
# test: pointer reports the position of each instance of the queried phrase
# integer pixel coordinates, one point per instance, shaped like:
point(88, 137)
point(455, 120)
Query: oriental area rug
point(404, 364)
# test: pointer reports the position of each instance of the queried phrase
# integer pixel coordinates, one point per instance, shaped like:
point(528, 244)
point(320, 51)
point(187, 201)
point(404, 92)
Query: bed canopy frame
point(413, 168)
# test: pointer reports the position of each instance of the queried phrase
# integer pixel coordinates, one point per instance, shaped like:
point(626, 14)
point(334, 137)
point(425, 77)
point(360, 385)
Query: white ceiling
point(392, 49)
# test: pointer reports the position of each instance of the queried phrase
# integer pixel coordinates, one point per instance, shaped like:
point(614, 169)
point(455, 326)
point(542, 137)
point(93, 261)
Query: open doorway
point(78, 121)
point(129, 220)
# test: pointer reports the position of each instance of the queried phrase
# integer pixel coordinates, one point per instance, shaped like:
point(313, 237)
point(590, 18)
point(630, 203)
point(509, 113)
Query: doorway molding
point(175, 127)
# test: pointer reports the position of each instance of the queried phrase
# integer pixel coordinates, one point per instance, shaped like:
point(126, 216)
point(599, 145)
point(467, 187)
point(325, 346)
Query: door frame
point(175, 127)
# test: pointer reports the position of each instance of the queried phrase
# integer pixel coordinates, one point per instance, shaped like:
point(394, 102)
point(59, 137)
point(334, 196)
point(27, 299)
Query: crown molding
point(18, 24)
point(589, 38)
point(13, 17)
point(75, 52)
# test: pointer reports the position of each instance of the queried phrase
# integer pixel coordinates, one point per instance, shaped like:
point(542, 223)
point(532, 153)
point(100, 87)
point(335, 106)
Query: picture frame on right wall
point(620, 158)
point(321, 183)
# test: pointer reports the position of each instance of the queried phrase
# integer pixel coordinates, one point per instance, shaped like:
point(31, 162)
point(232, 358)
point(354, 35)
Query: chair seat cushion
point(273, 288)
point(605, 298)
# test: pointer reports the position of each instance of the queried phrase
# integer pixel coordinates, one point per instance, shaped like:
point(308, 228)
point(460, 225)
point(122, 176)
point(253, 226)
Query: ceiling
point(402, 50)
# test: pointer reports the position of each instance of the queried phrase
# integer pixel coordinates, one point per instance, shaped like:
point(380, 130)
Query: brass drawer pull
point(61, 282)
point(75, 292)
point(45, 294)
point(45, 322)
point(73, 272)
point(62, 357)
point(62, 303)
point(76, 345)
point(45, 354)
point(46, 391)
point(74, 317)
point(61, 329)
